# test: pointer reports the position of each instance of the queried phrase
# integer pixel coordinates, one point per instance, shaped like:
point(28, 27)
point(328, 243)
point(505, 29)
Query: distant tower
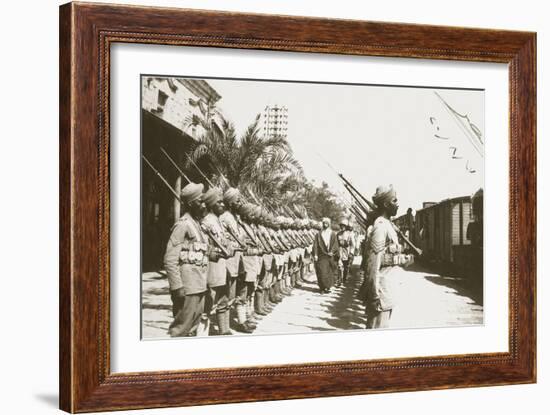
point(275, 121)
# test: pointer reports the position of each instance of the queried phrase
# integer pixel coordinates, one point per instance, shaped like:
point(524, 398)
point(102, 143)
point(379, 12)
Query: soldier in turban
point(252, 263)
point(383, 257)
point(186, 264)
point(217, 300)
point(346, 245)
point(236, 277)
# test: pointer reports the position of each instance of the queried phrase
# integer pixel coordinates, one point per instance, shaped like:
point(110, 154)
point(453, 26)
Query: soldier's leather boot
point(276, 297)
point(241, 313)
point(250, 313)
point(223, 322)
point(204, 326)
point(287, 289)
point(246, 328)
point(258, 309)
point(266, 308)
point(273, 296)
point(243, 324)
point(276, 292)
point(266, 302)
point(279, 289)
point(297, 282)
point(288, 286)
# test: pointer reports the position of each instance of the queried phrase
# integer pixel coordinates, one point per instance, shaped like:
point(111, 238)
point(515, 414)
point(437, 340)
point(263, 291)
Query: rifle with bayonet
point(355, 194)
point(250, 235)
point(353, 190)
point(358, 202)
point(362, 220)
point(306, 236)
point(265, 247)
point(266, 241)
point(301, 241)
point(291, 237)
point(287, 240)
point(242, 245)
point(266, 206)
point(279, 241)
point(199, 170)
point(175, 164)
point(364, 216)
point(257, 239)
point(350, 187)
point(218, 244)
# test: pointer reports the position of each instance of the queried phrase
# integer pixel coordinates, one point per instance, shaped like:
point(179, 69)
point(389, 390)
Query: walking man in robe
point(325, 256)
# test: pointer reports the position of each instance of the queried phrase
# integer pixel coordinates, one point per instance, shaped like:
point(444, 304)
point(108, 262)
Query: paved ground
point(424, 299)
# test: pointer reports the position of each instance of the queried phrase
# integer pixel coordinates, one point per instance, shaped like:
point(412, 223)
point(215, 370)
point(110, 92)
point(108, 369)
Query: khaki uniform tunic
point(186, 258)
point(252, 263)
point(230, 226)
point(217, 272)
point(380, 278)
point(346, 245)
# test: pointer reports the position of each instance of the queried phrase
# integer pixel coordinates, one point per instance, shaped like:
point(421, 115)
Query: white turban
point(383, 194)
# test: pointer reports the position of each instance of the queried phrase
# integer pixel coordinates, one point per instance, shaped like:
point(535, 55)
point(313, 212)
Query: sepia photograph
point(283, 207)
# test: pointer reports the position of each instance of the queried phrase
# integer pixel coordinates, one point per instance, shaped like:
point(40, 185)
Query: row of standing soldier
point(225, 254)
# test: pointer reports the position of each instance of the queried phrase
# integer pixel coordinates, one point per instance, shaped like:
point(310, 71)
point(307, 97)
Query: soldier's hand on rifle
point(375, 304)
point(214, 255)
point(409, 260)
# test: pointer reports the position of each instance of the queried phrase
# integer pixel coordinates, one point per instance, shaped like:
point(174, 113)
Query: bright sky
point(372, 134)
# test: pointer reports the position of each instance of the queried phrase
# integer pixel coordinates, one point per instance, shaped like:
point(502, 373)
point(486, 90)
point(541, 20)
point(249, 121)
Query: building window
point(162, 99)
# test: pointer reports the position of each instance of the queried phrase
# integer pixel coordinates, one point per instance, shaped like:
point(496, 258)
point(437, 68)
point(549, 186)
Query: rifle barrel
point(367, 201)
point(358, 201)
point(199, 170)
point(230, 231)
point(356, 195)
point(161, 177)
point(359, 215)
point(174, 164)
point(216, 242)
point(417, 250)
point(221, 174)
point(252, 238)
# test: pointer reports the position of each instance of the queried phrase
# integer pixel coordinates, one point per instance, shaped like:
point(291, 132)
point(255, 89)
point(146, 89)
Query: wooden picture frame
point(87, 32)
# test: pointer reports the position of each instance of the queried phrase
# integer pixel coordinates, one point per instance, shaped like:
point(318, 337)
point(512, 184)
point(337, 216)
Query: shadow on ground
point(346, 311)
point(460, 286)
point(156, 306)
point(443, 275)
